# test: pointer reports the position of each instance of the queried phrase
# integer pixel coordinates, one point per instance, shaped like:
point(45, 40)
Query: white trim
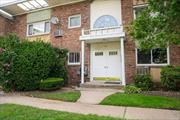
point(73, 64)
point(82, 62)
point(152, 64)
point(122, 61)
point(140, 5)
point(46, 33)
point(69, 18)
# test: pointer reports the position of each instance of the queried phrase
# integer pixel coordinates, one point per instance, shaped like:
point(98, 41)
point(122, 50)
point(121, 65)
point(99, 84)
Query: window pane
point(75, 21)
point(74, 57)
point(47, 27)
point(38, 28)
point(143, 57)
point(159, 56)
point(30, 30)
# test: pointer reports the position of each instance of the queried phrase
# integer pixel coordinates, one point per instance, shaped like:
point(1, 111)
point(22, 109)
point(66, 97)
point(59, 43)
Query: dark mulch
point(163, 93)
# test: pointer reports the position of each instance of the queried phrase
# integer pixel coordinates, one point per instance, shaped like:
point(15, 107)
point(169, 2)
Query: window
point(138, 10)
point(154, 56)
point(105, 21)
point(111, 53)
point(74, 21)
point(39, 28)
point(98, 53)
point(74, 58)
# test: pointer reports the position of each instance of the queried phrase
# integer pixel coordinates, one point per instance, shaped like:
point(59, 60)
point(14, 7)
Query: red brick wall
point(174, 55)
point(70, 38)
point(130, 59)
point(5, 26)
point(20, 26)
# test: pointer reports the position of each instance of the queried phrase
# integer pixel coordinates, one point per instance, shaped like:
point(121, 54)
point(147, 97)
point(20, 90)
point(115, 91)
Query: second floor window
point(38, 28)
point(74, 21)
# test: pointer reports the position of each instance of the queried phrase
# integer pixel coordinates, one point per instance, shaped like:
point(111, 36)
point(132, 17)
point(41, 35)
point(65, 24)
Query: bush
point(143, 81)
point(131, 89)
point(51, 84)
point(24, 64)
point(32, 64)
point(170, 78)
point(58, 69)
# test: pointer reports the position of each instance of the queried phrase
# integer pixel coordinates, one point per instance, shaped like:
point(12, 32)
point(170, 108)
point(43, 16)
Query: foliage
point(130, 89)
point(69, 96)
point(170, 77)
point(51, 84)
point(158, 25)
point(140, 100)
point(143, 81)
point(58, 69)
point(32, 64)
point(18, 112)
point(9, 42)
point(24, 64)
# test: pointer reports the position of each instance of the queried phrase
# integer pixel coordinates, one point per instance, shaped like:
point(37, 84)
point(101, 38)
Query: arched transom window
point(105, 21)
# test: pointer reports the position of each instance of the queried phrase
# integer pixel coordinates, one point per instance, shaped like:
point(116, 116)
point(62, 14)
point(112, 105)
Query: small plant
point(170, 78)
point(144, 82)
point(131, 89)
point(51, 84)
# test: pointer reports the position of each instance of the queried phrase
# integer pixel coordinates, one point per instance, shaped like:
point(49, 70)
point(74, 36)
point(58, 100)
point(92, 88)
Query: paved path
point(113, 111)
point(95, 95)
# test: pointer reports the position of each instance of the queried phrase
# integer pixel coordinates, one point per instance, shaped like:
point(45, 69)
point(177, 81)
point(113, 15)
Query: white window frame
point(152, 64)
point(77, 63)
point(69, 22)
point(45, 33)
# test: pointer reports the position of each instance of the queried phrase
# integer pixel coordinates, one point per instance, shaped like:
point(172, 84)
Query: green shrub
point(143, 81)
point(51, 84)
point(32, 64)
point(170, 77)
point(9, 42)
point(58, 69)
point(131, 89)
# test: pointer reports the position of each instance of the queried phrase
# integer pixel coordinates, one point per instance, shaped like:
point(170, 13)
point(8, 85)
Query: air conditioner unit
point(58, 33)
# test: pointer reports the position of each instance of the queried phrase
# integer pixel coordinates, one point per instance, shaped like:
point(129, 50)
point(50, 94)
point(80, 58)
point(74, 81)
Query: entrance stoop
point(103, 84)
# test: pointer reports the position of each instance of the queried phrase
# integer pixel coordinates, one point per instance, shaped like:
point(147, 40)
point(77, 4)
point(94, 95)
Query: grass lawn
point(139, 100)
point(72, 96)
point(17, 112)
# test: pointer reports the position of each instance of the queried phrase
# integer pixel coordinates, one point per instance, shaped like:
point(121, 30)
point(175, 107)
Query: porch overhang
point(13, 8)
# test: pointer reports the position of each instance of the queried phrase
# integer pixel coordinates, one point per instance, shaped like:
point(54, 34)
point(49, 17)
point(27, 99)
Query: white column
point(123, 62)
point(82, 62)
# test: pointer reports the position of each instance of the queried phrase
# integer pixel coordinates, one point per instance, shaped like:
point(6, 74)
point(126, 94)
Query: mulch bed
point(163, 93)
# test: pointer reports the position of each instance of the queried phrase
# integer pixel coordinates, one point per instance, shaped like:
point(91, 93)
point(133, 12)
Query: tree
point(158, 25)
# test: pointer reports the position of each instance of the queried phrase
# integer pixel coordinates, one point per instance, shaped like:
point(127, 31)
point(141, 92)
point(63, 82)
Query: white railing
point(102, 31)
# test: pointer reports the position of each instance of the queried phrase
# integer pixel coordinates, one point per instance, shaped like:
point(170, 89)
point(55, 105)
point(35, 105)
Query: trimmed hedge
point(24, 64)
point(131, 89)
point(51, 84)
point(32, 64)
point(170, 78)
point(144, 82)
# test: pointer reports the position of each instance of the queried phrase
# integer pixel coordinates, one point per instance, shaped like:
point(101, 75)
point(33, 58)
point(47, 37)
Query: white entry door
point(105, 60)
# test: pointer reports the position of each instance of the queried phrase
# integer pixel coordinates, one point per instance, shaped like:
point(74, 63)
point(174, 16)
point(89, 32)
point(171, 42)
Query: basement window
point(38, 28)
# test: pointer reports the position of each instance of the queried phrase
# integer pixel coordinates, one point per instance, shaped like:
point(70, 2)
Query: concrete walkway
point(113, 111)
point(95, 95)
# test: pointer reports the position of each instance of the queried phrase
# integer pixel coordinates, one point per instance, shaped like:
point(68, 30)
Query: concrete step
point(102, 84)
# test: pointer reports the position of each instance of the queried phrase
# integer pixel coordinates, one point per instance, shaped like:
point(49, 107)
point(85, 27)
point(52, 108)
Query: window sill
point(149, 65)
point(38, 34)
point(74, 27)
point(73, 64)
